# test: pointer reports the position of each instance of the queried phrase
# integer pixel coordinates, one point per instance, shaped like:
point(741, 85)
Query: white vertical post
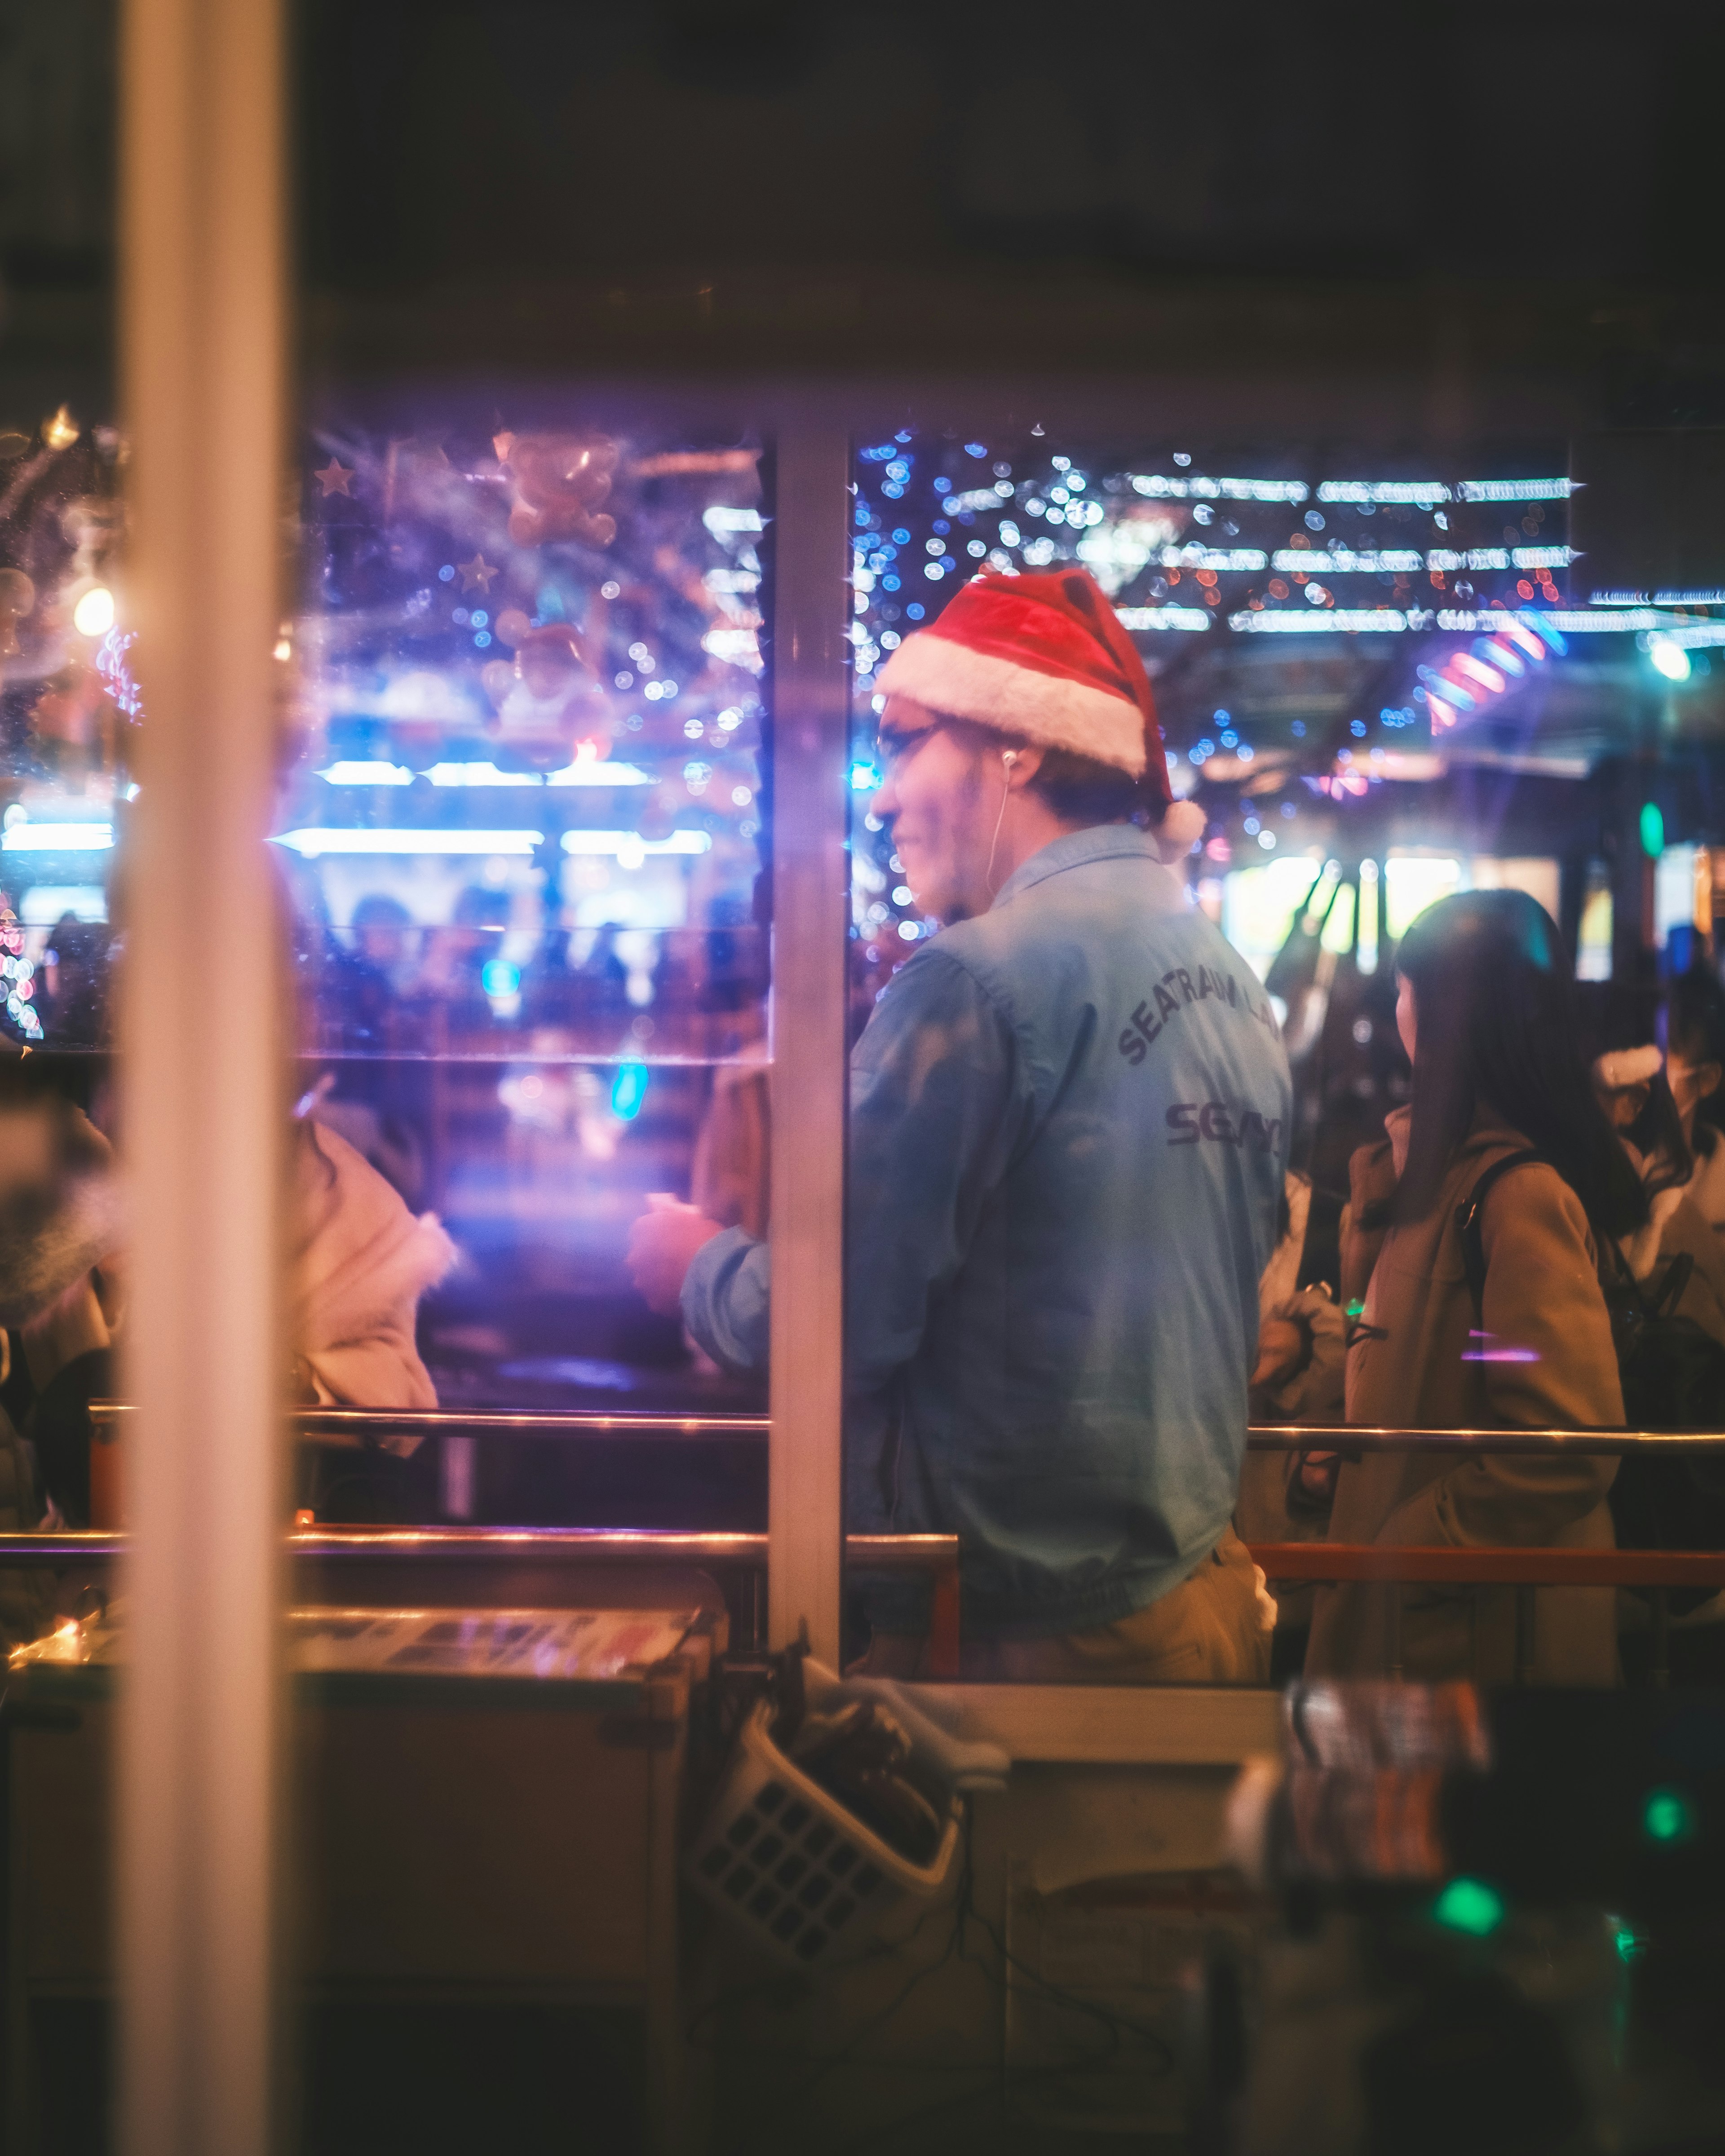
point(202, 365)
point(810, 897)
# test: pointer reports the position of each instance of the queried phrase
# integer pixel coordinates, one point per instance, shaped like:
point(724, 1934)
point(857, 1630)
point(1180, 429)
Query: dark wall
point(1514, 208)
point(1488, 188)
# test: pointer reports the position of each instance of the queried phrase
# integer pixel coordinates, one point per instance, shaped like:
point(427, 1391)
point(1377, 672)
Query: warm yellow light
point(284, 648)
point(61, 431)
point(93, 614)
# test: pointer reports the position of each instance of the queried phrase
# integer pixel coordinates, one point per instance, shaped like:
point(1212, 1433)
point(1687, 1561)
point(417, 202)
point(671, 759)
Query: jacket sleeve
point(1371, 1175)
point(1545, 1340)
point(726, 1299)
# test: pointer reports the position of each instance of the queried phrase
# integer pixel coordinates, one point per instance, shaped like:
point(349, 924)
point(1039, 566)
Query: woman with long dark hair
point(1503, 1113)
point(1695, 1068)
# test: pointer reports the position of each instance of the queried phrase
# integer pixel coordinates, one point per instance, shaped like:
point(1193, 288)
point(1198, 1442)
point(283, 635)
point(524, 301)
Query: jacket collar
point(1487, 1131)
point(1101, 842)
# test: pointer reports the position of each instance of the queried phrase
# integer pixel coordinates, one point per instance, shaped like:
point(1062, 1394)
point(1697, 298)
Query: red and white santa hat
point(1044, 659)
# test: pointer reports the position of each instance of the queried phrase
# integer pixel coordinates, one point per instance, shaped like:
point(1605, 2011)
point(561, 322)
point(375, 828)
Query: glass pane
point(523, 830)
point(74, 706)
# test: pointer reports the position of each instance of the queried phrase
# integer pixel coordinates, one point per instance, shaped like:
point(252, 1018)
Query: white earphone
point(1009, 757)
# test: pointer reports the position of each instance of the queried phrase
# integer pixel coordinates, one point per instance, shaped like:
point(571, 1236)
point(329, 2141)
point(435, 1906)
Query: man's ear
point(1020, 764)
point(1708, 1078)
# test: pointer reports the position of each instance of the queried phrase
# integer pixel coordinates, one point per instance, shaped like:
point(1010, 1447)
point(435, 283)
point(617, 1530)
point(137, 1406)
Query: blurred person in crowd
point(1502, 1120)
point(1676, 1256)
point(456, 957)
point(1069, 1124)
point(382, 928)
point(357, 1262)
point(1302, 1340)
point(1695, 1070)
point(1663, 1107)
point(74, 1009)
point(374, 1101)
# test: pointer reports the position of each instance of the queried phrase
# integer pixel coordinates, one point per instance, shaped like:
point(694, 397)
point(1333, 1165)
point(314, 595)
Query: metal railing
point(935, 1556)
point(361, 1423)
point(1523, 1569)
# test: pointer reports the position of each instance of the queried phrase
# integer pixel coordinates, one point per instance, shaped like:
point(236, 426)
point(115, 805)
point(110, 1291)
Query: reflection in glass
point(523, 830)
point(69, 706)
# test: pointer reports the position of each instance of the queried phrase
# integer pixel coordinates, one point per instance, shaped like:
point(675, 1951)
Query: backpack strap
point(1468, 1216)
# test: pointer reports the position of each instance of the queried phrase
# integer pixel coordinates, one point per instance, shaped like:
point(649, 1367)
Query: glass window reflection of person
point(1069, 1116)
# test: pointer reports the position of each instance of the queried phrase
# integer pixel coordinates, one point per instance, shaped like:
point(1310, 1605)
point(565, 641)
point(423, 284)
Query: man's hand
point(662, 1245)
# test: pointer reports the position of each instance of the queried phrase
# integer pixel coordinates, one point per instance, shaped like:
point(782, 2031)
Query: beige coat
point(1546, 1359)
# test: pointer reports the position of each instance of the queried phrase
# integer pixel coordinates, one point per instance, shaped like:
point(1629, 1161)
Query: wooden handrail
point(1334, 1562)
point(1355, 1438)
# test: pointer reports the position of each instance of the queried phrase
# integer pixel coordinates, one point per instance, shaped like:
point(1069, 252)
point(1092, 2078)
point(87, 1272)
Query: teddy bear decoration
point(561, 483)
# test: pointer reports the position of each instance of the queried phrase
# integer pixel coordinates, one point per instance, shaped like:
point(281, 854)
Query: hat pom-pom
point(1181, 827)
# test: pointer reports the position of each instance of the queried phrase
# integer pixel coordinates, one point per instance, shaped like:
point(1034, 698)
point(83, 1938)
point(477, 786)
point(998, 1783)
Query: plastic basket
point(803, 1877)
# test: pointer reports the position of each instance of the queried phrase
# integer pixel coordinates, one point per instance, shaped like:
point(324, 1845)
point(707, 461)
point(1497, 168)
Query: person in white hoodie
point(357, 1262)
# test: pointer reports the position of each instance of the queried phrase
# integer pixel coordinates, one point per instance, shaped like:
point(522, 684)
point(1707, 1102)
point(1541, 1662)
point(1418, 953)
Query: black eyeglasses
point(894, 752)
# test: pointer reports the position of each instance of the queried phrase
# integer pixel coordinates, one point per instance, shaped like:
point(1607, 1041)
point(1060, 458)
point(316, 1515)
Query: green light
point(1652, 831)
point(1469, 1905)
point(1355, 1308)
point(1630, 1945)
point(1667, 1815)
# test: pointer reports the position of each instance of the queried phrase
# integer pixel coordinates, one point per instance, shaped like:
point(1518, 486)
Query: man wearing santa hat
point(1069, 1124)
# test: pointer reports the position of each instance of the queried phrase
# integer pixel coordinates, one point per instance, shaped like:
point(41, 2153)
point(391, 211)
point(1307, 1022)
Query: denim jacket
point(1069, 1124)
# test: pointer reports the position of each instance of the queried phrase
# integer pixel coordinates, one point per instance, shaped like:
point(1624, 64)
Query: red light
point(1476, 670)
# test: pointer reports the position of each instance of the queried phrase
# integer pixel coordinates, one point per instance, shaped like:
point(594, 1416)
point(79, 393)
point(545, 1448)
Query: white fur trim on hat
point(1181, 827)
point(1047, 708)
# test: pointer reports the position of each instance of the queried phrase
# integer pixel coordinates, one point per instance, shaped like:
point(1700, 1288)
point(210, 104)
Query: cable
point(1115, 2023)
point(1009, 757)
point(1115, 2027)
point(846, 2051)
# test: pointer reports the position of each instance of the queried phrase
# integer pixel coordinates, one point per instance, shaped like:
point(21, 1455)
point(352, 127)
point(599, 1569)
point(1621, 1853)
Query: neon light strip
point(478, 774)
point(1422, 493)
point(1571, 621)
point(1344, 621)
point(599, 773)
point(1308, 561)
point(367, 774)
point(312, 843)
point(627, 843)
point(1162, 617)
point(1517, 490)
point(57, 839)
point(1501, 558)
point(1208, 557)
point(1160, 488)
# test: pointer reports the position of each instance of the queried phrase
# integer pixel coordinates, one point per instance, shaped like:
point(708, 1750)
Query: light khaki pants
point(1212, 1629)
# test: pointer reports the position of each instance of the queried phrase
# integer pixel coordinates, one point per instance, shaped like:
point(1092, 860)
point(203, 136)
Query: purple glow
point(1495, 1351)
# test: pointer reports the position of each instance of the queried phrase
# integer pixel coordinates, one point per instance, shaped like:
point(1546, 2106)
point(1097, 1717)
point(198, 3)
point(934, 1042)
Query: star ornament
point(478, 571)
point(335, 478)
